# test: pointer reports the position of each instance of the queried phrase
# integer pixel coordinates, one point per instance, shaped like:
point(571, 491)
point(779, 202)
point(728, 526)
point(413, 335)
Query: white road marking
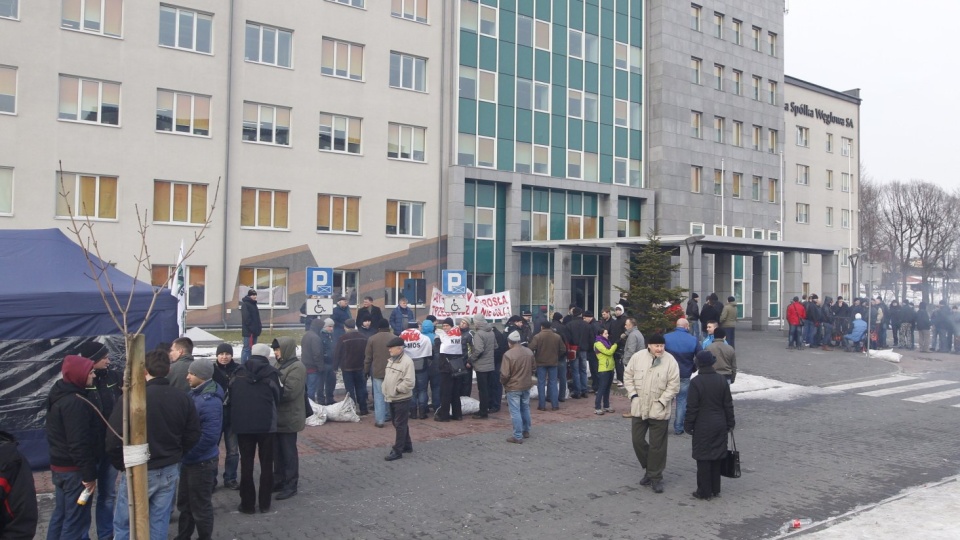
point(908, 388)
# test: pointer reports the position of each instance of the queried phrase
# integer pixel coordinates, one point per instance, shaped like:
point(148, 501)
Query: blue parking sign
point(319, 281)
point(454, 282)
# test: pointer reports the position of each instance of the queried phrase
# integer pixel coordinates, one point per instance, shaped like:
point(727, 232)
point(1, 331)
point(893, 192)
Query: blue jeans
point(379, 405)
point(435, 381)
point(232, 453)
point(808, 330)
point(681, 406)
point(161, 487)
point(419, 401)
point(544, 387)
point(106, 497)
point(696, 330)
point(795, 339)
point(562, 379)
point(313, 382)
point(355, 385)
point(519, 403)
point(496, 388)
point(603, 393)
point(69, 521)
point(248, 343)
point(579, 369)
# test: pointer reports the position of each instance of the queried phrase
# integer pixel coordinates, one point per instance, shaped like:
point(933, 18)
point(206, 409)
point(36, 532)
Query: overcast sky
point(903, 57)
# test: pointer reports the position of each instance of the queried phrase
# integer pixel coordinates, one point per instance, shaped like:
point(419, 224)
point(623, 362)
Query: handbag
point(730, 463)
point(458, 366)
point(572, 352)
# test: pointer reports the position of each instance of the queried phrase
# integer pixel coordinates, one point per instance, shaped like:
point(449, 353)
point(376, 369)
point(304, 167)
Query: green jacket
point(291, 412)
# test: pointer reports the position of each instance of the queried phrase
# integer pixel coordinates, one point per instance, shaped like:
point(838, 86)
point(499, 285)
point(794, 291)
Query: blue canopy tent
point(49, 305)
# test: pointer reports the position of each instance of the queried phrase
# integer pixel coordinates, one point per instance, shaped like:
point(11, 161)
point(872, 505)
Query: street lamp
point(690, 243)
point(854, 286)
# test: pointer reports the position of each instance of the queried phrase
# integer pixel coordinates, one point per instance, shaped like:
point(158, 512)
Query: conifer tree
point(651, 273)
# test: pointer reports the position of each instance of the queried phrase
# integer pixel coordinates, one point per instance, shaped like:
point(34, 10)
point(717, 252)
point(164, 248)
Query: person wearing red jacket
point(795, 316)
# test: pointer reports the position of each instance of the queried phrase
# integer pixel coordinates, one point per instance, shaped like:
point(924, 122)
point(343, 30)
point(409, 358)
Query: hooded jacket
point(484, 344)
point(311, 347)
point(70, 423)
point(250, 317)
point(728, 317)
point(291, 412)
point(254, 396)
point(208, 399)
point(18, 500)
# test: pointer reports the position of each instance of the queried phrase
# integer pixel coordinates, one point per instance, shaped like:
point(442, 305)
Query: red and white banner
point(492, 306)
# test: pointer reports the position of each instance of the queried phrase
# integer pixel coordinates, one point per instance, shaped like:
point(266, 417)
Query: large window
point(268, 45)
point(803, 213)
point(755, 139)
point(737, 32)
point(772, 141)
point(340, 134)
point(558, 215)
point(488, 21)
point(8, 89)
point(736, 189)
point(718, 182)
point(718, 25)
point(179, 202)
point(574, 164)
point(338, 213)
point(845, 218)
point(829, 181)
point(845, 145)
point(737, 133)
point(829, 216)
point(266, 124)
point(756, 88)
point(829, 144)
point(696, 12)
point(476, 84)
point(755, 188)
point(264, 208)
point(413, 10)
point(404, 218)
point(628, 217)
point(803, 175)
point(406, 142)
point(97, 16)
point(755, 37)
point(696, 177)
point(525, 30)
point(341, 59)
point(718, 77)
point(696, 124)
point(574, 103)
point(6, 191)
point(409, 72)
point(9, 9)
point(696, 65)
point(803, 136)
point(772, 92)
point(393, 285)
point(773, 185)
point(737, 82)
point(87, 100)
point(591, 48)
point(270, 284)
point(185, 29)
point(771, 44)
point(719, 127)
point(162, 275)
point(178, 112)
point(87, 195)
point(845, 182)
point(345, 284)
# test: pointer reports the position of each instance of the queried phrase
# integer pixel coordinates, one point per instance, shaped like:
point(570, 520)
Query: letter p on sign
point(319, 281)
point(454, 282)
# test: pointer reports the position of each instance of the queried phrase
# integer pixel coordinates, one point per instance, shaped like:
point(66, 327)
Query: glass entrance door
point(583, 292)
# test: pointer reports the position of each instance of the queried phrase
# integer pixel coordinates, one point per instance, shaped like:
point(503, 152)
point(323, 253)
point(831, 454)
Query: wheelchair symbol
point(454, 306)
point(318, 308)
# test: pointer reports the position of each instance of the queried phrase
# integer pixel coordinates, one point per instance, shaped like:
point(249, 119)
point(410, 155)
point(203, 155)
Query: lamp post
point(854, 286)
point(690, 243)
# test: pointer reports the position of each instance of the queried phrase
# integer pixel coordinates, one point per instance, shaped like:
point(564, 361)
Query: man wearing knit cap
point(224, 370)
point(398, 382)
point(349, 355)
point(250, 326)
point(481, 360)
point(516, 374)
point(375, 365)
point(199, 472)
point(291, 416)
point(73, 450)
point(328, 371)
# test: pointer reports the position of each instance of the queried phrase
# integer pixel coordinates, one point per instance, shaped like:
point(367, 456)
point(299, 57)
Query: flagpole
point(178, 290)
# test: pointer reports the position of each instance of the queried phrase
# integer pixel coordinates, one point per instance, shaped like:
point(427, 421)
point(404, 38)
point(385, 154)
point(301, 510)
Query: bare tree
point(898, 225)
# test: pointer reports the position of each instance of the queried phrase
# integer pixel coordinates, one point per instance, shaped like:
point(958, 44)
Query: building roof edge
point(851, 96)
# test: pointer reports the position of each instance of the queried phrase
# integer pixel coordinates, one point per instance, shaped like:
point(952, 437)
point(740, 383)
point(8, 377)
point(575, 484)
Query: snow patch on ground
point(756, 387)
point(886, 354)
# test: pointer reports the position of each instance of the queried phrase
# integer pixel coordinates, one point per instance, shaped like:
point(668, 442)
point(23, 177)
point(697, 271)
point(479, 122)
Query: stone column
point(511, 257)
point(723, 270)
point(562, 261)
point(761, 291)
point(792, 284)
point(619, 274)
point(455, 193)
point(829, 268)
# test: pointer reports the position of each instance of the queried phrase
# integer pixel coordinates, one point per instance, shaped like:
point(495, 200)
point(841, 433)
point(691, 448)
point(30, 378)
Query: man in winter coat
point(199, 472)
point(538, 320)
point(593, 327)
point(311, 354)
point(74, 453)
point(419, 348)
point(811, 323)
point(684, 348)
point(340, 314)
point(693, 315)
point(728, 319)
point(652, 380)
point(908, 323)
point(328, 370)
point(401, 317)
point(516, 374)
point(374, 365)
point(710, 311)
point(181, 356)
point(796, 314)
point(481, 360)
point(291, 418)
point(225, 369)
point(632, 343)
point(726, 357)
point(856, 334)
point(547, 347)
point(250, 326)
point(397, 390)
point(447, 347)
point(18, 498)
point(583, 338)
point(709, 419)
point(561, 329)
point(349, 355)
point(254, 398)
point(173, 428)
point(371, 312)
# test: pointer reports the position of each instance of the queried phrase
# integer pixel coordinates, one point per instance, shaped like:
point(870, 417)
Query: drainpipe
point(226, 167)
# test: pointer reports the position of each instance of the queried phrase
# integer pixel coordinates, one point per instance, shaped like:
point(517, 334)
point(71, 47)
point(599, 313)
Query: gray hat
point(328, 322)
point(350, 323)
point(396, 342)
point(261, 349)
point(201, 368)
point(514, 337)
point(706, 358)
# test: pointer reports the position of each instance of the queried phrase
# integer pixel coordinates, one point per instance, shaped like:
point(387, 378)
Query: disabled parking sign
point(454, 282)
point(319, 281)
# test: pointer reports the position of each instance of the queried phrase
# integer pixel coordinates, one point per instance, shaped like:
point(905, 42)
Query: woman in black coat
point(709, 419)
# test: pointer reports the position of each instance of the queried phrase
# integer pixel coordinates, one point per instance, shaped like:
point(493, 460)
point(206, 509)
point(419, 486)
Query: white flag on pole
point(178, 289)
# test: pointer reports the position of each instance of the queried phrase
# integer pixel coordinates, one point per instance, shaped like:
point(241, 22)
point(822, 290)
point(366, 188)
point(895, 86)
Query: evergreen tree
point(651, 273)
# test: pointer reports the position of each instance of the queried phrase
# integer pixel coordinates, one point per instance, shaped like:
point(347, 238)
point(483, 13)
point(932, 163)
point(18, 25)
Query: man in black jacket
point(583, 338)
point(18, 498)
point(250, 323)
point(173, 428)
point(693, 315)
point(224, 370)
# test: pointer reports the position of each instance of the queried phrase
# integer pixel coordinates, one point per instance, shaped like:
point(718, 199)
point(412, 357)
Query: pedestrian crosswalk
point(894, 386)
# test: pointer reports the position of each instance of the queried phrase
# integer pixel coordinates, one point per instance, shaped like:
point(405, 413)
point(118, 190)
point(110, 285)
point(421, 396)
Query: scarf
point(605, 341)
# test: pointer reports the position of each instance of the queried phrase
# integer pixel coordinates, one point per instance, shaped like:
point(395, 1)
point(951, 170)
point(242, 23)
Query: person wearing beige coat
point(397, 387)
point(652, 380)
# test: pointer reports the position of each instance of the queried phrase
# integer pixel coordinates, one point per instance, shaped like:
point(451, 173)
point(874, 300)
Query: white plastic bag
point(533, 392)
point(343, 411)
point(468, 405)
point(319, 416)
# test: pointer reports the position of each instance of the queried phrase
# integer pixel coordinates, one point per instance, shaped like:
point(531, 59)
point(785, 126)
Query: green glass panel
point(635, 146)
point(558, 161)
point(593, 3)
point(488, 119)
point(489, 2)
point(622, 142)
point(525, 263)
point(575, 79)
point(606, 169)
point(635, 208)
point(592, 19)
point(623, 6)
point(468, 48)
point(541, 200)
point(507, 30)
point(591, 78)
point(524, 125)
point(559, 73)
point(504, 122)
point(524, 62)
point(622, 85)
point(636, 31)
point(574, 134)
point(623, 28)
point(501, 203)
point(560, 14)
point(543, 10)
point(738, 267)
point(574, 203)
point(589, 265)
point(505, 154)
point(606, 110)
point(507, 58)
point(606, 52)
point(559, 43)
point(488, 53)
point(558, 201)
point(558, 226)
point(541, 264)
point(469, 193)
point(622, 208)
point(606, 81)
point(508, 5)
point(590, 137)
point(486, 194)
point(468, 116)
point(576, 264)
point(484, 262)
point(576, 14)
point(740, 306)
point(469, 250)
point(541, 128)
point(525, 199)
point(590, 204)
point(525, 7)
point(506, 93)
point(606, 22)
point(541, 66)
point(559, 134)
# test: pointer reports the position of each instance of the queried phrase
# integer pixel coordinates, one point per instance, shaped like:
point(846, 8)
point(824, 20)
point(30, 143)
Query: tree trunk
point(135, 433)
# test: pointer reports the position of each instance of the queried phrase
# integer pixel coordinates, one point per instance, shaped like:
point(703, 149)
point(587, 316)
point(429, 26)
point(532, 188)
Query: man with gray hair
point(516, 374)
point(481, 360)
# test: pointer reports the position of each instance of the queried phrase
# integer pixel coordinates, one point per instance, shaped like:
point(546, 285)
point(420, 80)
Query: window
point(6, 191)
point(179, 202)
point(756, 137)
point(628, 217)
point(87, 195)
point(737, 185)
point(718, 25)
point(803, 213)
point(469, 15)
point(523, 158)
point(845, 261)
point(696, 174)
point(178, 112)
point(574, 164)
point(87, 100)
point(270, 284)
point(737, 82)
point(772, 141)
point(772, 187)
point(488, 21)
point(773, 235)
point(771, 44)
point(829, 182)
point(393, 285)
point(352, 3)
point(756, 88)
point(541, 97)
point(635, 115)
point(162, 275)
point(696, 124)
point(413, 10)
point(345, 284)
point(338, 213)
point(829, 216)
point(756, 39)
point(803, 136)
point(404, 218)
point(719, 126)
point(755, 188)
point(268, 45)
point(719, 230)
point(341, 59)
point(264, 208)
point(718, 77)
point(772, 92)
point(738, 32)
point(524, 94)
point(591, 107)
point(541, 159)
point(406, 142)
point(718, 182)
point(830, 142)
point(542, 35)
point(695, 65)
point(636, 59)
point(103, 17)
point(486, 152)
point(8, 89)
point(340, 134)
point(845, 218)
point(524, 30)
point(738, 232)
point(185, 29)
point(466, 149)
point(10, 9)
point(266, 124)
point(581, 215)
point(408, 72)
point(621, 114)
point(620, 171)
point(695, 12)
point(805, 259)
point(697, 228)
point(487, 88)
point(574, 103)
point(737, 133)
point(845, 182)
point(757, 234)
point(803, 175)
point(591, 48)
point(575, 43)
point(622, 55)
point(845, 145)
